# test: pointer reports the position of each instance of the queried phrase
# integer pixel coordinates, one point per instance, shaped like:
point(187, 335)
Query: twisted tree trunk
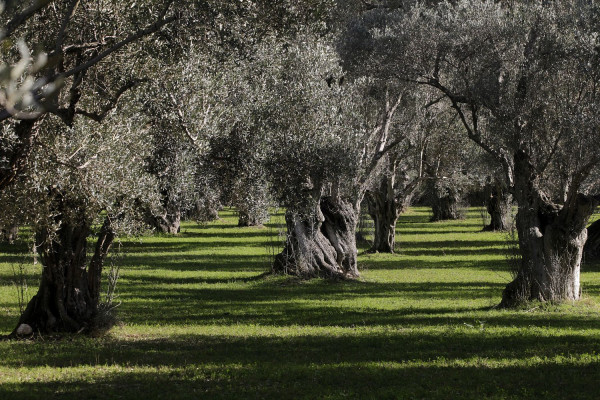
point(384, 211)
point(592, 246)
point(499, 202)
point(169, 221)
point(69, 293)
point(551, 241)
point(320, 242)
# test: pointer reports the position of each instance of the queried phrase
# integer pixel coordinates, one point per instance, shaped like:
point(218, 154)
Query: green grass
point(199, 320)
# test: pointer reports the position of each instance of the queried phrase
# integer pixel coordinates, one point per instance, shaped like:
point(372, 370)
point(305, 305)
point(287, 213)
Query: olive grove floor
point(199, 319)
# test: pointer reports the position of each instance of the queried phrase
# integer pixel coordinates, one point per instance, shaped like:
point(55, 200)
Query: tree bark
point(592, 246)
point(499, 202)
point(69, 293)
point(551, 241)
point(320, 242)
point(106, 237)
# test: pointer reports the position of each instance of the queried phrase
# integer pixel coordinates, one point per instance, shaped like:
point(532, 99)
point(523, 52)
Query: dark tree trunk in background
point(320, 242)
point(203, 212)
point(551, 241)
point(499, 202)
point(592, 246)
point(445, 202)
point(9, 234)
point(384, 211)
point(14, 157)
point(69, 293)
point(246, 218)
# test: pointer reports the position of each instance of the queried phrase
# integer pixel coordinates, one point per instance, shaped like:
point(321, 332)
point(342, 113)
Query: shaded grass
point(201, 320)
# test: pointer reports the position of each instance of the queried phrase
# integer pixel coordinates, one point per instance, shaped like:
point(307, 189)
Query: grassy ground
point(199, 320)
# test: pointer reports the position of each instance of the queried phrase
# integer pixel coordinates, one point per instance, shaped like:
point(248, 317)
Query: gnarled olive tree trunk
point(69, 292)
point(592, 246)
point(168, 222)
point(320, 241)
point(499, 202)
point(551, 241)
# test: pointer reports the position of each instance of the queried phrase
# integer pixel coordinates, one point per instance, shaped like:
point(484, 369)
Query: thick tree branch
point(22, 17)
point(112, 102)
point(383, 147)
point(27, 131)
point(132, 38)
point(410, 188)
point(82, 67)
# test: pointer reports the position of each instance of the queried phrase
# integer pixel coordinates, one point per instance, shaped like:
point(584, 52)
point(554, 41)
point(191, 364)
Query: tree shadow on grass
point(228, 233)
point(298, 381)
point(398, 263)
point(393, 365)
point(200, 262)
point(183, 247)
point(414, 305)
point(350, 346)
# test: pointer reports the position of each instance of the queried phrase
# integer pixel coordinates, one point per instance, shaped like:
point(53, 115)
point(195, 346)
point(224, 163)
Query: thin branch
point(72, 48)
point(434, 102)
point(382, 147)
point(580, 175)
point(551, 155)
point(61, 33)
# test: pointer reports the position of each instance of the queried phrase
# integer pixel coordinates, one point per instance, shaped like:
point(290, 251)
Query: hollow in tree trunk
point(320, 242)
point(69, 293)
point(551, 241)
point(592, 245)
point(499, 202)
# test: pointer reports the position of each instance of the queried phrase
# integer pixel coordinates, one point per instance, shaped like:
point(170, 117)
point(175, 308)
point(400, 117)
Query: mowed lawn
point(199, 319)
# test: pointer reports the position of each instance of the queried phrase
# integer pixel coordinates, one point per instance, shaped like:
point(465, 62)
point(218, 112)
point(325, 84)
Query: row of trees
point(126, 116)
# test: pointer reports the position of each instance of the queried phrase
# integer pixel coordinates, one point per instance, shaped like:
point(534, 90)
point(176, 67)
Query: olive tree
point(74, 38)
point(239, 160)
point(326, 137)
point(592, 246)
point(96, 55)
point(523, 81)
point(403, 171)
point(92, 177)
